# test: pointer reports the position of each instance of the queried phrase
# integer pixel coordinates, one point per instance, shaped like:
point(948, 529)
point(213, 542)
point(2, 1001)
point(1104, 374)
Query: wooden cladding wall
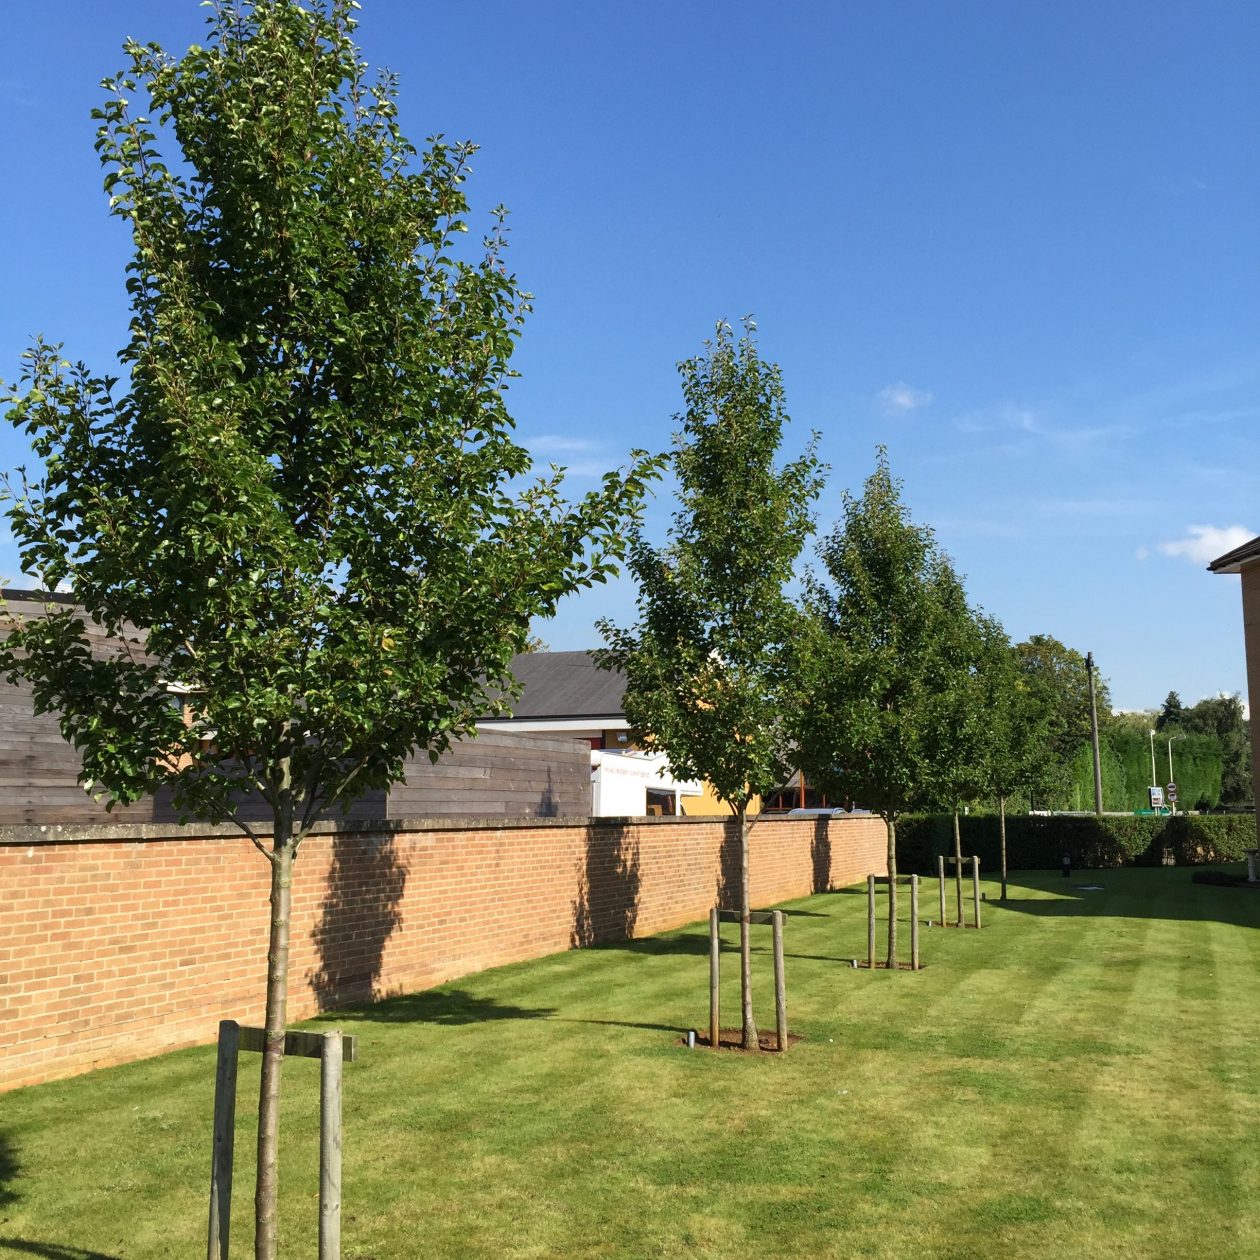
point(121, 942)
point(497, 774)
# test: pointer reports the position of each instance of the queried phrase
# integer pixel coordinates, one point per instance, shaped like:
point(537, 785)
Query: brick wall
point(121, 942)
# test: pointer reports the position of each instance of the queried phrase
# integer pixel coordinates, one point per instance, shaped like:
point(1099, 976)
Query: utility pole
point(1093, 728)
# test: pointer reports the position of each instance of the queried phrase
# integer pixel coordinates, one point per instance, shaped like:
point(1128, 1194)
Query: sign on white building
point(620, 782)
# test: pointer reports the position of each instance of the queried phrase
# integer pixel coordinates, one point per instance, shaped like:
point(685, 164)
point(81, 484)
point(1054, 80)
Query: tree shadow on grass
point(695, 944)
point(49, 1251)
point(446, 1007)
point(8, 1170)
point(626, 1023)
point(1125, 893)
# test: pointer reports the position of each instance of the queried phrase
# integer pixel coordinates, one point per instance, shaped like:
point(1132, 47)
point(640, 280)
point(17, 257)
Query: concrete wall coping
point(88, 833)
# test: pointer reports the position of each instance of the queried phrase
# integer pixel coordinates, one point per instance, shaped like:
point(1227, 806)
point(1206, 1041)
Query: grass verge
point(1081, 1078)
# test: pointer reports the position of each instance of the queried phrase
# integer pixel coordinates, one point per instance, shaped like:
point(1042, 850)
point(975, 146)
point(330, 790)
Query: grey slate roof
point(1233, 561)
point(566, 685)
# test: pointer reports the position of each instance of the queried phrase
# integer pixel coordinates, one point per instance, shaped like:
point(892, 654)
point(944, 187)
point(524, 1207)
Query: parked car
point(823, 812)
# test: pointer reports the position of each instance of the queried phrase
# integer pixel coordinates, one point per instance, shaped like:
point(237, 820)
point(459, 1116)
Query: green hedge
point(1037, 842)
point(1126, 771)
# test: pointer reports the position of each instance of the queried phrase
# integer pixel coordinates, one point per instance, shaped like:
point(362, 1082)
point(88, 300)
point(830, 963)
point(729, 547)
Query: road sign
point(1171, 793)
point(1156, 795)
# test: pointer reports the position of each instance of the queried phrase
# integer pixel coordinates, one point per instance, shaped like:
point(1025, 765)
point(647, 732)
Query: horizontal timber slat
point(754, 916)
point(301, 1045)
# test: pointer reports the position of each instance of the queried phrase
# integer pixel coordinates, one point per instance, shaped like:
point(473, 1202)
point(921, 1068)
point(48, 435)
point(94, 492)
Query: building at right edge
point(1245, 561)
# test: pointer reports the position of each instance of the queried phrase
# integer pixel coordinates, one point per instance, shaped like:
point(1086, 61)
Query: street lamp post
point(1154, 781)
point(1172, 778)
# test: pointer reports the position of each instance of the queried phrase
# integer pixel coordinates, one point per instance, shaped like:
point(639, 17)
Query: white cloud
point(560, 444)
point(1203, 543)
point(1006, 418)
point(900, 398)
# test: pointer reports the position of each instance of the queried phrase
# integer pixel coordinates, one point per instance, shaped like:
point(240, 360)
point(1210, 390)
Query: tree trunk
point(892, 892)
point(958, 876)
point(745, 938)
point(1002, 839)
point(283, 848)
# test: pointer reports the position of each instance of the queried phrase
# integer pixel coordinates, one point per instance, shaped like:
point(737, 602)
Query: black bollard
point(1067, 866)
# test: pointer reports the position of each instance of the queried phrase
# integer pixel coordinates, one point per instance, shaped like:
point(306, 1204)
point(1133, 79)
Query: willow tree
point(705, 664)
point(879, 677)
point(300, 501)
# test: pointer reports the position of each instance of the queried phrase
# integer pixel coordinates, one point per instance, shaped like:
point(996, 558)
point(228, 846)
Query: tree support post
point(914, 923)
point(715, 947)
point(870, 922)
point(975, 886)
point(330, 1147)
point(220, 1229)
point(940, 876)
point(780, 987)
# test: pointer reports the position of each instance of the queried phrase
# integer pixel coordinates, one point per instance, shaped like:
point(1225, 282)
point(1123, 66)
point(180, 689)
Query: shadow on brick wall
point(358, 915)
point(820, 855)
point(606, 907)
point(726, 894)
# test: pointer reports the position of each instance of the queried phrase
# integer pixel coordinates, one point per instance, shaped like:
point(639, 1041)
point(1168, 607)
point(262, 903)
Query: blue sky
point(1018, 244)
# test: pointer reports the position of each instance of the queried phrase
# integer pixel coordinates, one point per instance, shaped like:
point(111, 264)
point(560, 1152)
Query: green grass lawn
point(1080, 1079)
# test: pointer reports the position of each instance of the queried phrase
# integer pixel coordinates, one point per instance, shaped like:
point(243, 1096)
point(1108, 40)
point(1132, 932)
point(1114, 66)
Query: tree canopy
point(705, 665)
point(884, 661)
point(299, 495)
point(300, 504)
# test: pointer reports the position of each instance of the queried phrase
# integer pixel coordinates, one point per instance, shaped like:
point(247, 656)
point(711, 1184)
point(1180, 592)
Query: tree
point(1019, 716)
point(971, 644)
point(1172, 714)
point(1223, 717)
point(1059, 674)
point(877, 671)
point(299, 504)
point(704, 665)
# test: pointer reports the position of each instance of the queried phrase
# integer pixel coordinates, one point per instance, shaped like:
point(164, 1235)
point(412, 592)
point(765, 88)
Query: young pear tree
point(1020, 717)
point(966, 735)
point(1059, 675)
point(877, 675)
point(300, 501)
point(705, 663)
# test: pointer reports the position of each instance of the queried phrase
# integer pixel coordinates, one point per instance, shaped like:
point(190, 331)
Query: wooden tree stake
point(330, 1147)
point(715, 946)
point(940, 875)
point(914, 923)
point(224, 1141)
point(780, 987)
point(975, 887)
point(870, 922)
